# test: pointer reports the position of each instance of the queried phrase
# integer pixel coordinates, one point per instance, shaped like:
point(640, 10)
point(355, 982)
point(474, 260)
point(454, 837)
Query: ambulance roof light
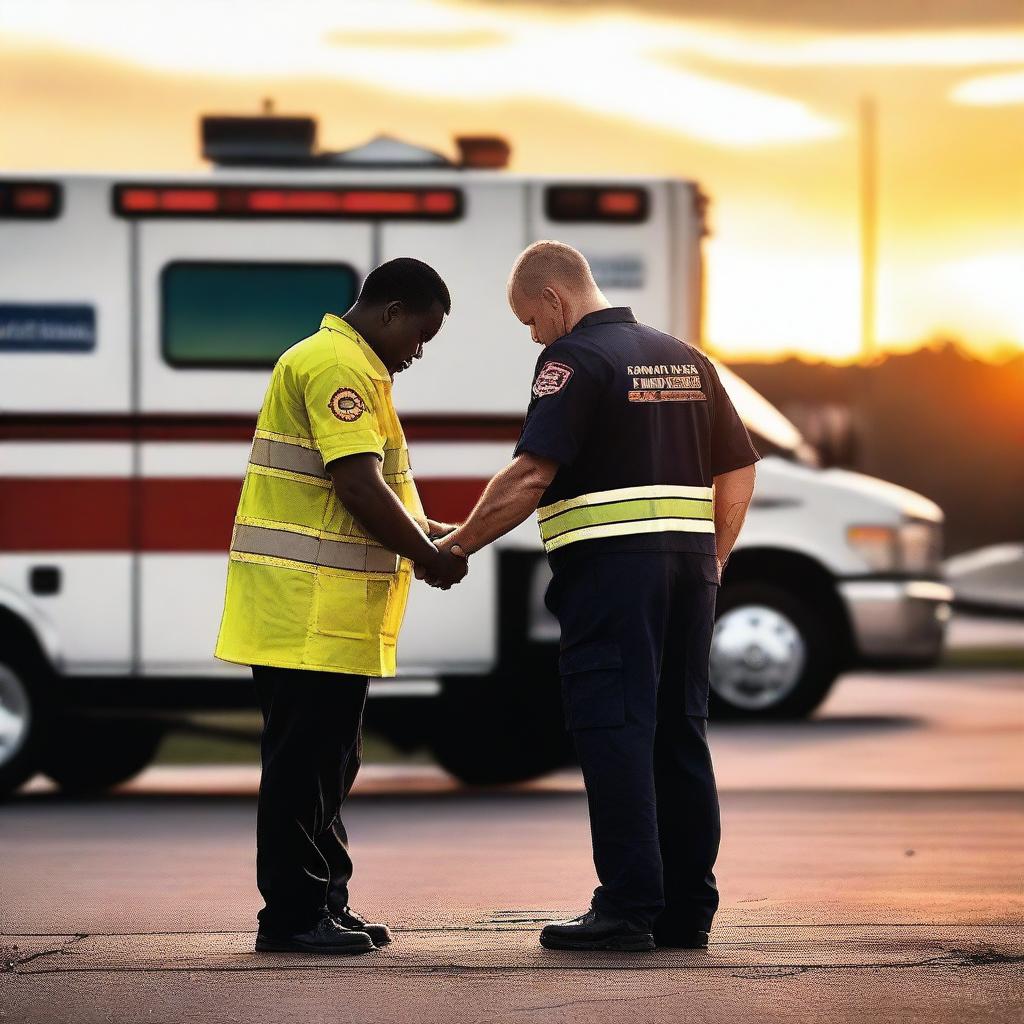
point(483, 151)
point(583, 203)
point(261, 201)
point(264, 139)
point(29, 200)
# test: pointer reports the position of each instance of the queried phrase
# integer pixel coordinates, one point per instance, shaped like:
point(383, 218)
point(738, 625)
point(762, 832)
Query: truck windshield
point(770, 431)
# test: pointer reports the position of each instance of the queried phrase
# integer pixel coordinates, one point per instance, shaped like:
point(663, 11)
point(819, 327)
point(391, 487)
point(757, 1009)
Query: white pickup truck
point(139, 318)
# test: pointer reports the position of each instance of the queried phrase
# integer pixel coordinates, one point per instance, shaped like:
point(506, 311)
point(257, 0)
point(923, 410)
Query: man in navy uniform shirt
point(641, 473)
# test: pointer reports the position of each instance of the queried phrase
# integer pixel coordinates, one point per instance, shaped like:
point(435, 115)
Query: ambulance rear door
point(227, 277)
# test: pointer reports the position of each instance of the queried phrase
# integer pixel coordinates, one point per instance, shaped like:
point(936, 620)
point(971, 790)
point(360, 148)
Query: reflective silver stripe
point(282, 455)
point(300, 547)
point(297, 459)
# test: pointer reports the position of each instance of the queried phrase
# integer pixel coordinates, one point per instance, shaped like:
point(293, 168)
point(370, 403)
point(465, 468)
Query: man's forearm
point(385, 519)
point(731, 499)
point(377, 509)
point(509, 499)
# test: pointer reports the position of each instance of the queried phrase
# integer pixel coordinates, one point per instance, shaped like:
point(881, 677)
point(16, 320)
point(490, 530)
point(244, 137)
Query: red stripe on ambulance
point(156, 427)
point(155, 514)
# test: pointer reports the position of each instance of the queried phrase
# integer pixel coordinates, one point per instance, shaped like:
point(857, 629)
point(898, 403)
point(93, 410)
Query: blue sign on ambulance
point(50, 328)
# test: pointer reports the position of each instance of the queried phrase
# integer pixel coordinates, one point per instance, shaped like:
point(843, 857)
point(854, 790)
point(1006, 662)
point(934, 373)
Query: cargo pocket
point(341, 605)
point(592, 688)
point(396, 594)
point(700, 567)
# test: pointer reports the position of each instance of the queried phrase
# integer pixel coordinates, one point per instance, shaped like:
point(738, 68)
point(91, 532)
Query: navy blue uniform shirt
point(620, 407)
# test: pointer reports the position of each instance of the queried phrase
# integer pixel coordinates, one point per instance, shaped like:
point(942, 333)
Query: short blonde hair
point(547, 261)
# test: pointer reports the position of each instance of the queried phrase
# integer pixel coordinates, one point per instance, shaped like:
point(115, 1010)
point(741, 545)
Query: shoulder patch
point(551, 379)
point(346, 405)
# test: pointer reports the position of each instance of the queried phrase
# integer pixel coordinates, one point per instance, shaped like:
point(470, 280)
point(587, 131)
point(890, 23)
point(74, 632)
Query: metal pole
point(868, 224)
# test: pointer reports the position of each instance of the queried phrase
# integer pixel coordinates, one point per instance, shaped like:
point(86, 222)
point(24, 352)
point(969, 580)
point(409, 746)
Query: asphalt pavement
point(870, 870)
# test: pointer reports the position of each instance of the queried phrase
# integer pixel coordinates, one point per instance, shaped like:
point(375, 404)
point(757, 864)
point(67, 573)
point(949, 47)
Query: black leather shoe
point(594, 930)
point(680, 938)
point(348, 918)
point(326, 936)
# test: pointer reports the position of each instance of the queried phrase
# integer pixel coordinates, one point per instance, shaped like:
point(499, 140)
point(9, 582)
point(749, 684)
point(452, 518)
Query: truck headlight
point(920, 545)
point(914, 546)
point(877, 545)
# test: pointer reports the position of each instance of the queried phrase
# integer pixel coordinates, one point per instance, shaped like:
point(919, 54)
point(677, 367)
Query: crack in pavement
point(952, 960)
point(581, 1002)
point(10, 966)
point(982, 956)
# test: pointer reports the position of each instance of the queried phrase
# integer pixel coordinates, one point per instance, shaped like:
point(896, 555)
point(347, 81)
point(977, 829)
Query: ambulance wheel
point(500, 729)
point(773, 655)
point(85, 755)
point(22, 725)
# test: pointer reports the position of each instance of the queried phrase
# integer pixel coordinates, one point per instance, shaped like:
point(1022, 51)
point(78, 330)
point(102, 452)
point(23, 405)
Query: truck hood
point(901, 499)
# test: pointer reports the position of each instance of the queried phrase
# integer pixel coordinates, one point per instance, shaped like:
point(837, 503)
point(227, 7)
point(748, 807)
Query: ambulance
point(140, 316)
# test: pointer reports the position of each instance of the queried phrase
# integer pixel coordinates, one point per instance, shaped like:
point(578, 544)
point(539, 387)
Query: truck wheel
point(22, 726)
point(772, 655)
point(85, 755)
point(501, 728)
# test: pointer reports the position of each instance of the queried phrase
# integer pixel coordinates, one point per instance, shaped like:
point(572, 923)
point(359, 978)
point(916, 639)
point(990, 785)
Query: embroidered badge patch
point(346, 405)
point(551, 379)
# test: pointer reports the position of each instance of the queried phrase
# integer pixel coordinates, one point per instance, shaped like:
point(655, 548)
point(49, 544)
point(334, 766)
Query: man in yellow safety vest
point(328, 529)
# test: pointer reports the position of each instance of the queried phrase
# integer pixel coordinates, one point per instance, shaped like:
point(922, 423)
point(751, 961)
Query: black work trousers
point(636, 639)
point(310, 752)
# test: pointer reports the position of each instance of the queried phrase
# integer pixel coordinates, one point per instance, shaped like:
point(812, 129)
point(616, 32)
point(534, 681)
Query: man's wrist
point(436, 530)
point(458, 539)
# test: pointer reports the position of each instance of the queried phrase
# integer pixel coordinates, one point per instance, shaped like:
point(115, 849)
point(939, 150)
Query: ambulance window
point(246, 314)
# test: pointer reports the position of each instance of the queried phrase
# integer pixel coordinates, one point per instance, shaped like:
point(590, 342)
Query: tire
point(773, 656)
point(86, 755)
point(503, 728)
point(24, 718)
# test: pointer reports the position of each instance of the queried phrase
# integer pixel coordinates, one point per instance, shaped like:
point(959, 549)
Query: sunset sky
point(756, 100)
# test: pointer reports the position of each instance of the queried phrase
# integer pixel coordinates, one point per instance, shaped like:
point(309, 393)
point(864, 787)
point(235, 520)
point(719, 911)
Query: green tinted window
point(247, 314)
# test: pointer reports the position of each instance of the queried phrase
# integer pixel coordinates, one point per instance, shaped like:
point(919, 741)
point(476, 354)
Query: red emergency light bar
point(592, 203)
point(254, 201)
point(31, 200)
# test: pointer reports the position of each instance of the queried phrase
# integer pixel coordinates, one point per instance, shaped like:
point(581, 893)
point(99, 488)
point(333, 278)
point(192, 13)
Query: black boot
point(348, 918)
point(326, 936)
point(594, 930)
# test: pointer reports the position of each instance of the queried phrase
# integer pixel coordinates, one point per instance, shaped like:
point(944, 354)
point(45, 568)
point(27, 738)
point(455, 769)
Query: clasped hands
point(447, 567)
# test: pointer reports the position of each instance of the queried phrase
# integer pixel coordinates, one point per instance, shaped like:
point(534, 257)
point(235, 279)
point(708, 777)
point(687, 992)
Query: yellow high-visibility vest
point(307, 586)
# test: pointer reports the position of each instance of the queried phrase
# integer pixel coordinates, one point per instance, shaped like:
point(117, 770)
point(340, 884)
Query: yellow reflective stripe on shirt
point(627, 529)
point(623, 493)
point(302, 547)
point(625, 511)
point(635, 510)
point(273, 435)
point(396, 460)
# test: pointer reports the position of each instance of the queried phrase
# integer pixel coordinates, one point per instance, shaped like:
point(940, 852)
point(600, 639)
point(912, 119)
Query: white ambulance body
point(139, 318)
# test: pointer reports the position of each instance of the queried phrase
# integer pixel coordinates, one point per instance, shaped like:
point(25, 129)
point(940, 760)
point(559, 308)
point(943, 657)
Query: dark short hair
point(411, 282)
